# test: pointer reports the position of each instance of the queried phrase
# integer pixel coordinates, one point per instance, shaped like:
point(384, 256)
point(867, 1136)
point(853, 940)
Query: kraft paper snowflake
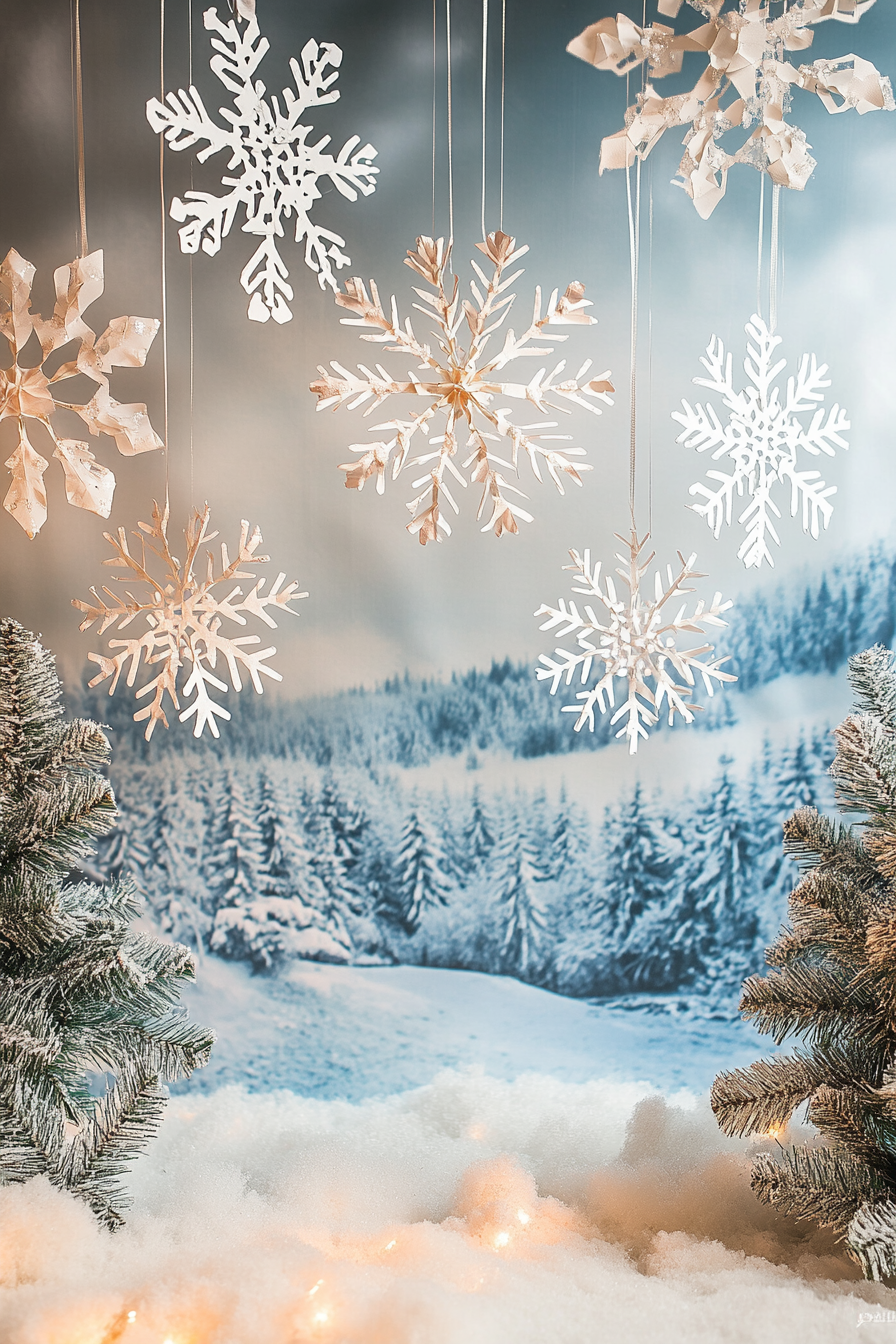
point(634, 639)
point(185, 616)
point(747, 82)
point(274, 168)
point(763, 438)
point(26, 392)
point(461, 384)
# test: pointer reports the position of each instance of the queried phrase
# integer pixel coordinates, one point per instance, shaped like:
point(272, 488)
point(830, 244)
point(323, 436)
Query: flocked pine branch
point(81, 993)
point(833, 986)
point(459, 388)
point(185, 614)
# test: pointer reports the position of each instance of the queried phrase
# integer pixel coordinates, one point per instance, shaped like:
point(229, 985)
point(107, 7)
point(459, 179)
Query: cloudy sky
point(379, 602)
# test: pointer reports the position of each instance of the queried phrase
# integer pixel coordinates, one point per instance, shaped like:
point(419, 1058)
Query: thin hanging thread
point(634, 215)
point(433, 118)
point(79, 119)
point(503, 81)
point(774, 259)
point(450, 130)
point(759, 245)
point(484, 86)
point(164, 259)
point(190, 68)
point(649, 348)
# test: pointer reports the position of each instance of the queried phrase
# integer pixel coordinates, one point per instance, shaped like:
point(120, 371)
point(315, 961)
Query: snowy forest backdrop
point(333, 828)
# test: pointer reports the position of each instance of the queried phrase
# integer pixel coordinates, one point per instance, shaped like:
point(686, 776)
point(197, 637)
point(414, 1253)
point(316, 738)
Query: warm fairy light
point(132, 1316)
point(391, 1245)
point(321, 1317)
point(502, 1239)
point(316, 1288)
point(523, 1216)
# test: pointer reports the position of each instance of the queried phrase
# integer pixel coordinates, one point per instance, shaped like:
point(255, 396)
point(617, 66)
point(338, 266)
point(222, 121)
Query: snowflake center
point(25, 392)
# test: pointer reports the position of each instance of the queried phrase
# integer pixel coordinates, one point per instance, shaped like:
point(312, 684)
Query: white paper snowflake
point(633, 639)
point(274, 168)
point(763, 437)
point(461, 384)
point(747, 82)
point(28, 391)
point(184, 615)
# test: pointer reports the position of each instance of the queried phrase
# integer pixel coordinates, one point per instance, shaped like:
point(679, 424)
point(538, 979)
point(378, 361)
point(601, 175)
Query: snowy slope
point(355, 1032)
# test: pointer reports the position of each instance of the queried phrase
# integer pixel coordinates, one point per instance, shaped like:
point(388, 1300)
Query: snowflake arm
point(762, 440)
point(631, 640)
point(462, 385)
point(28, 393)
point(746, 82)
point(273, 168)
point(185, 618)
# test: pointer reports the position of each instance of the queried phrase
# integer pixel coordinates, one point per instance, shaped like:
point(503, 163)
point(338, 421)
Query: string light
point(502, 1240)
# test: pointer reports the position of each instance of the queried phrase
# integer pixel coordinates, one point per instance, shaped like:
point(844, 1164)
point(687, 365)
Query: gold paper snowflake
point(633, 639)
point(461, 384)
point(746, 82)
point(185, 616)
point(26, 393)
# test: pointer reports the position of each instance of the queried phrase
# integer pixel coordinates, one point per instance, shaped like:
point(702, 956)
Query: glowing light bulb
point(523, 1216)
point(321, 1317)
point(132, 1316)
point(502, 1239)
point(390, 1245)
point(315, 1289)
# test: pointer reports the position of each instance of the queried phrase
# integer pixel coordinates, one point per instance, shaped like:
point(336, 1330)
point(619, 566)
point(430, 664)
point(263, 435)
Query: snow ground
point(355, 1032)
point(469, 1211)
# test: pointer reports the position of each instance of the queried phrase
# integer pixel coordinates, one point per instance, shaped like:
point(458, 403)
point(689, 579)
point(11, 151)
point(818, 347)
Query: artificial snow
point(472, 1210)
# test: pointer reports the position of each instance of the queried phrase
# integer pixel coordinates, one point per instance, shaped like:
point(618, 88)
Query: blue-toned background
point(414, 798)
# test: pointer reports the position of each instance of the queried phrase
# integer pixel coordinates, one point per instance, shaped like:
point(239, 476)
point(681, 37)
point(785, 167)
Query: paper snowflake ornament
point(273, 169)
point(463, 387)
point(763, 439)
point(185, 616)
point(747, 82)
point(632, 638)
point(27, 392)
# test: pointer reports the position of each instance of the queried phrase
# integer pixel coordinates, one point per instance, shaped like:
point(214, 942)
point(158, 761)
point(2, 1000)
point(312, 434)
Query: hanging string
point(79, 121)
point(433, 117)
point(634, 215)
point(650, 348)
point(484, 81)
point(774, 259)
point(759, 245)
point(450, 130)
point(164, 257)
point(192, 348)
point(503, 72)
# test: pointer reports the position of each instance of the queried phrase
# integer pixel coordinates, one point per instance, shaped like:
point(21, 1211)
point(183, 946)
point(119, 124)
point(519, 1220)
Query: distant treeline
point(268, 860)
point(809, 626)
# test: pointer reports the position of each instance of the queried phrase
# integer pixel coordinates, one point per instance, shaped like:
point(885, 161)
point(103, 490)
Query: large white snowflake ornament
point(462, 384)
point(274, 169)
point(184, 615)
point(763, 438)
point(746, 82)
point(632, 638)
point(28, 391)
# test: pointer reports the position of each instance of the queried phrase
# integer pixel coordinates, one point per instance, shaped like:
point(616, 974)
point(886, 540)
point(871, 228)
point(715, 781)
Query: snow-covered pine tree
point(178, 894)
point(518, 874)
point(479, 834)
point(285, 918)
point(833, 985)
point(639, 863)
point(419, 875)
point(80, 993)
point(791, 781)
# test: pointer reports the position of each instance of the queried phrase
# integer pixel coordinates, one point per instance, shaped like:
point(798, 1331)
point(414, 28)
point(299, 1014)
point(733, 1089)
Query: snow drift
point(468, 1210)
